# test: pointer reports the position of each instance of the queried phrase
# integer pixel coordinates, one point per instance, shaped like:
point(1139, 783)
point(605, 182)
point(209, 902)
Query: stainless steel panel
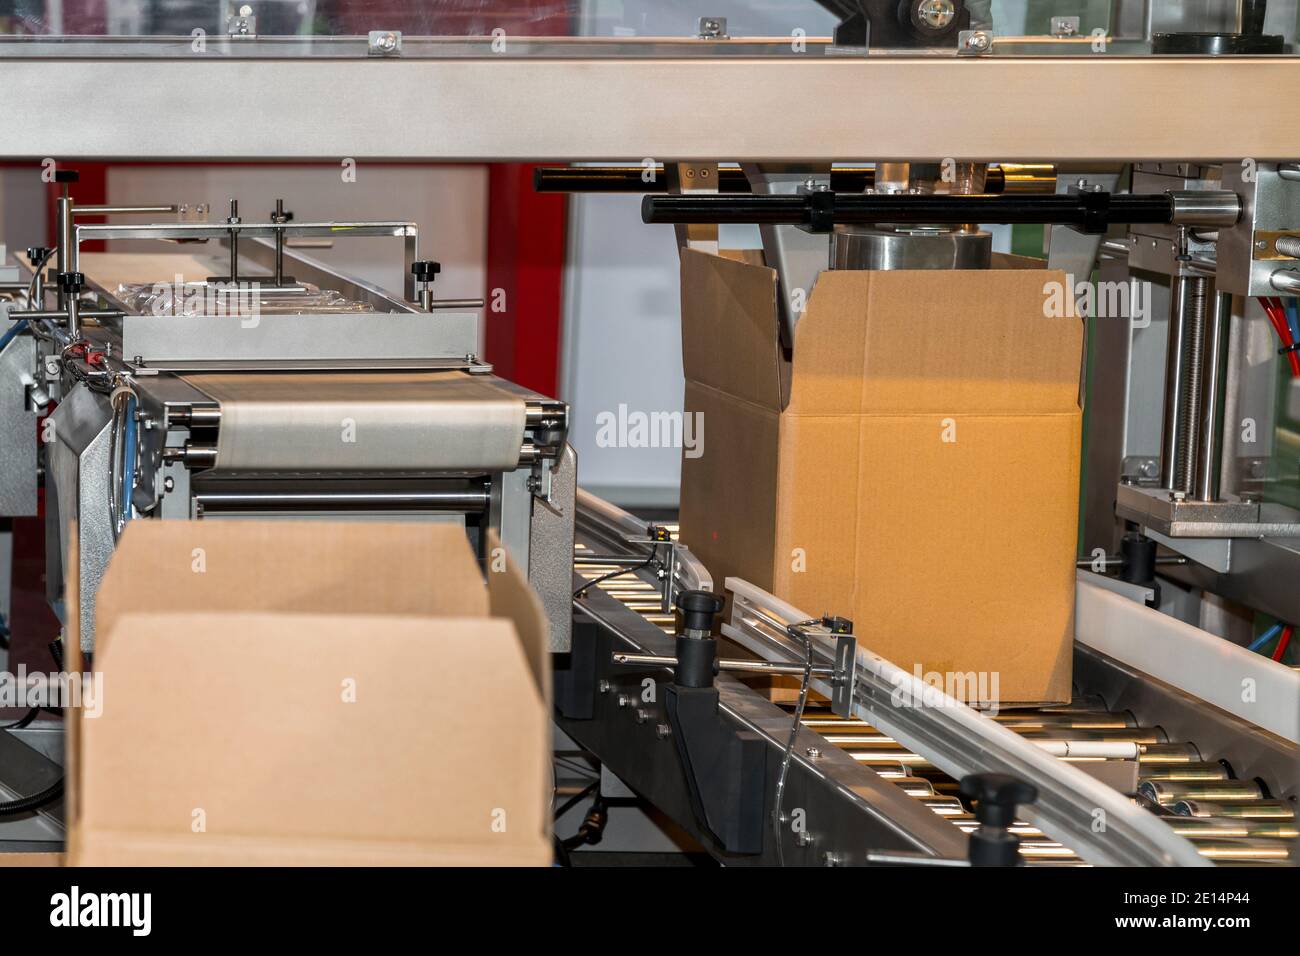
point(162, 340)
point(574, 109)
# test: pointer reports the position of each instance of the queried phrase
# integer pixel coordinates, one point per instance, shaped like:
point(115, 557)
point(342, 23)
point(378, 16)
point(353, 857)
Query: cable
point(1264, 638)
point(12, 332)
point(34, 802)
point(654, 552)
point(794, 630)
point(1276, 313)
point(23, 721)
point(1282, 643)
point(577, 798)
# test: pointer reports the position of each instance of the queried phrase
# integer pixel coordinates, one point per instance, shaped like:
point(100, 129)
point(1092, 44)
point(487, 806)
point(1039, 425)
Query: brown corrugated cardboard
point(310, 693)
point(915, 467)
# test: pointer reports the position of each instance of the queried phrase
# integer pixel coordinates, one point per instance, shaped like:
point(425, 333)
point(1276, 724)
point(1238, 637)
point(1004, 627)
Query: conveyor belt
point(1232, 822)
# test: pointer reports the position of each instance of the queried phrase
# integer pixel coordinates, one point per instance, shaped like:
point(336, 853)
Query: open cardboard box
point(914, 465)
point(285, 692)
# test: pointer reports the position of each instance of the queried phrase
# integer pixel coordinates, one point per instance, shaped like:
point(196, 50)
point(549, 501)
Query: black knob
point(66, 176)
point(996, 796)
point(698, 609)
point(36, 253)
point(71, 282)
point(425, 270)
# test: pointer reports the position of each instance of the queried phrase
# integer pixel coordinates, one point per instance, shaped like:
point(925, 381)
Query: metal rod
point(125, 210)
point(754, 666)
point(1172, 425)
point(60, 314)
point(1087, 210)
point(66, 253)
point(536, 414)
point(431, 500)
point(1214, 374)
point(1194, 332)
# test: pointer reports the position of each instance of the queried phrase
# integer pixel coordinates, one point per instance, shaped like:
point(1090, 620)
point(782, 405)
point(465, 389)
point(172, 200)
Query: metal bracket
point(384, 43)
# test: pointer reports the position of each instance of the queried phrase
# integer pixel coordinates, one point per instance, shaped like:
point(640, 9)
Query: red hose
point(1282, 642)
point(1277, 315)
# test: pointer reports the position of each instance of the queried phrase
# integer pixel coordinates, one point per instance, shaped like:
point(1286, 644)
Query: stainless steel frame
point(574, 108)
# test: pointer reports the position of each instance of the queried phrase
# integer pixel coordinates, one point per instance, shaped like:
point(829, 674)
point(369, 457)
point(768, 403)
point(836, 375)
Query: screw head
point(978, 40)
point(663, 731)
point(937, 14)
point(169, 483)
point(812, 753)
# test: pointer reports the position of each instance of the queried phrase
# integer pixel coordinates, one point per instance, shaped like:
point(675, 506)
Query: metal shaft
point(1214, 374)
point(1187, 317)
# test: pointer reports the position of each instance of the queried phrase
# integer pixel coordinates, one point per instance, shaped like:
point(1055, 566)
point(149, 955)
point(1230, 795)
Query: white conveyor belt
point(354, 421)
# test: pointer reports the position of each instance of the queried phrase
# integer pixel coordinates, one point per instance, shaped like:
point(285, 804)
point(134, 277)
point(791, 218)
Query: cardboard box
point(287, 692)
point(913, 466)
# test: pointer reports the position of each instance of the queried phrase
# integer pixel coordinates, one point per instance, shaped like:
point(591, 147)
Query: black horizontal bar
point(1091, 211)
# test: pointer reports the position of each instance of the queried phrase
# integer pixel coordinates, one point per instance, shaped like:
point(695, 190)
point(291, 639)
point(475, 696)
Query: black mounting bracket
point(725, 769)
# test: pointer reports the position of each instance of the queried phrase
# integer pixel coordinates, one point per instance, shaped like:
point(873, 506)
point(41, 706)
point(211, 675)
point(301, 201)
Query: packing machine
point(764, 733)
point(257, 382)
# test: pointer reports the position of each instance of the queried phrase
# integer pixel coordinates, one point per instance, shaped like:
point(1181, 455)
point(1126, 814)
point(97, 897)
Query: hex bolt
point(663, 731)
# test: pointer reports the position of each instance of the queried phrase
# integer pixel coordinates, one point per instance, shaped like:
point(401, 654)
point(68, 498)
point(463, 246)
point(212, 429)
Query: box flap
point(935, 343)
point(342, 567)
point(729, 328)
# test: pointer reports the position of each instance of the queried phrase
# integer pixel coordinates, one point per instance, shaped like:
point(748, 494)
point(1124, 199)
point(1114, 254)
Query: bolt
point(169, 483)
point(803, 838)
point(387, 43)
point(813, 753)
point(643, 715)
point(1177, 496)
point(663, 731)
point(603, 687)
point(937, 14)
point(625, 701)
point(978, 40)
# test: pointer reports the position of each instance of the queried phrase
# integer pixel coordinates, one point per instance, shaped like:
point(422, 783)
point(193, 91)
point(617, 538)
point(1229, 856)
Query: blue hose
point(1293, 318)
point(128, 466)
point(1264, 638)
point(11, 333)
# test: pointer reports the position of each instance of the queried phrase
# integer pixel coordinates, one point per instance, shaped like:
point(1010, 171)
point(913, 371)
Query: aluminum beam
point(1099, 107)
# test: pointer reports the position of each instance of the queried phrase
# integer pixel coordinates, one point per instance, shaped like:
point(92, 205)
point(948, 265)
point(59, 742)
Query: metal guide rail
point(1222, 819)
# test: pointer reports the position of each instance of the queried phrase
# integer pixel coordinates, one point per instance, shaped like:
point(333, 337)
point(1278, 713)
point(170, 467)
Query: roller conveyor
point(1230, 821)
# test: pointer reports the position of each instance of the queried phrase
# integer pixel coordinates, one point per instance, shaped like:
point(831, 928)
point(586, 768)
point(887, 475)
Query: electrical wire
point(1282, 643)
point(24, 721)
point(1276, 313)
point(576, 799)
point(796, 631)
point(34, 802)
point(1264, 638)
point(618, 572)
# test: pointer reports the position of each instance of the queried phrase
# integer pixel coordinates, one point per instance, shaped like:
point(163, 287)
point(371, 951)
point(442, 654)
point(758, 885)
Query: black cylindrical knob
point(696, 661)
point(996, 796)
point(71, 281)
point(1138, 555)
point(699, 609)
point(36, 253)
point(425, 270)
